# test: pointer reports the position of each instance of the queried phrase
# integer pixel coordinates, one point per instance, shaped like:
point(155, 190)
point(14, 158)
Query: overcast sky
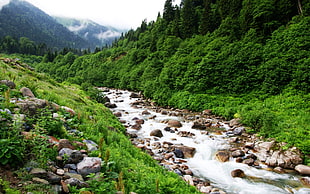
point(124, 14)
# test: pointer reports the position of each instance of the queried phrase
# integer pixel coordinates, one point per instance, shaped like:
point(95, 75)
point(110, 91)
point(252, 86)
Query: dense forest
point(246, 59)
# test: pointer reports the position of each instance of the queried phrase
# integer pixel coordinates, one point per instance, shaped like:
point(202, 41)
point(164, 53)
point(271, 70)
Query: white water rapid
point(203, 164)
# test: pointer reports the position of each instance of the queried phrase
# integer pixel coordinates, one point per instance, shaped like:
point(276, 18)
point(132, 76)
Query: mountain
point(22, 19)
point(94, 33)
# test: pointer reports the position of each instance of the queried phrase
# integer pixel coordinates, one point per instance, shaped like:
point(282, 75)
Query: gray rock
point(178, 153)
point(8, 83)
point(40, 181)
point(156, 133)
point(53, 178)
point(76, 182)
point(65, 152)
point(303, 169)
point(237, 153)
point(26, 92)
point(238, 130)
point(89, 165)
point(75, 157)
point(68, 175)
point(38, 172)
point(91, 146)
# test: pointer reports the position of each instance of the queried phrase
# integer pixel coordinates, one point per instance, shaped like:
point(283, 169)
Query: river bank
point(206, 150)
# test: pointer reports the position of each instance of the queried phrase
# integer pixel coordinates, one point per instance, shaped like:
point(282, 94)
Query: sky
point(123, 14)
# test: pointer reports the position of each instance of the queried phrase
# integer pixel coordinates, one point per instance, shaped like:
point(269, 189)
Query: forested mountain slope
point(242, 58)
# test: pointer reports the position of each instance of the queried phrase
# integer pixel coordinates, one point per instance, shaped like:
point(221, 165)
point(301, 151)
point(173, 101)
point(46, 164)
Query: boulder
point(110, 105)
point(65, 143)
point(222, 156)
point(234, 122)
point(136, 126)
point(237, 153)
point(238, 130)
point(40, 181)
point(8, 83)
point(178, 153)
point(156, 133)
point(174, 123)
point(26, 92)
point(118, 114)
point(249, 161)
point(188, 152)
point(145, 112)
point(39, 172)
point(303, 169)
point(31, 105)
point(89, 165)
point(135, 95)
point(198, 125)
point(76, 183)
point(237, 173)
point(53, 178)
point(305, 181)
point(91, 146)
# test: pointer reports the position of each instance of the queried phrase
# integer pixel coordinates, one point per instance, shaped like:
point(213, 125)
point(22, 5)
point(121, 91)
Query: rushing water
point(204, 164)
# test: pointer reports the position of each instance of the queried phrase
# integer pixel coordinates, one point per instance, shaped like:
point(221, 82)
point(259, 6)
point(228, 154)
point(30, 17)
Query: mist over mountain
point(22, 19)
point(94, 33)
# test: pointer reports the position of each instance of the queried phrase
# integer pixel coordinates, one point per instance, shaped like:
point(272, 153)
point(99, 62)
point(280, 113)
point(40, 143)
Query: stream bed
point(141, 121)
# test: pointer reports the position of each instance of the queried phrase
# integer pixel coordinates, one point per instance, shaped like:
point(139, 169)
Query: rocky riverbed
point(215, 155)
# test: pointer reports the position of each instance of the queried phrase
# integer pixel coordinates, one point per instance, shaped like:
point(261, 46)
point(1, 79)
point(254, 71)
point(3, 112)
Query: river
point(203, 164)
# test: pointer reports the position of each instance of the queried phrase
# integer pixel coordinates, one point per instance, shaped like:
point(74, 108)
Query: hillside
point(22, 19)
point(94, 33)
point(249, 60)
point(63, 116)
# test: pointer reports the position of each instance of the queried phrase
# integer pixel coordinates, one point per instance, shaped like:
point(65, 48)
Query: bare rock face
point(222, 156)
point(174, 123)
point(303, 169)
point(26, 92)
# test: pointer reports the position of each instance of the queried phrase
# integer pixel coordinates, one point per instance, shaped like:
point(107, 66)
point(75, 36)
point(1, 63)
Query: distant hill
point(94, 33)
point(22, 19)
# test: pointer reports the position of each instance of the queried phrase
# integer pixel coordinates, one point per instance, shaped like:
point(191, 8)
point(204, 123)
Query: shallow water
point(203, 164)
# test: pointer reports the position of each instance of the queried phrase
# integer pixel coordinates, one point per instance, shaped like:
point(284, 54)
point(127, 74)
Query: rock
point(136, 126)
point(207, 112)
point(237, 173)
point(167, 129)
point(89, 165)
point(174, 123)
point(135, 95)
point(60, 172)
point(140, 121)
point(40, 181)
point(31, 105)
point(178, 153)
point(305, 181)
point(168, 156)
point(53, 178)
point(8, 83)
point(73, 175)
point(205, 189)
point(198, 125)
point(110, 105)
point(91, 146)
point(70, 166)
point(265, 145)
point(185, 134)
point(75, 182)
point(65, 143)
point(156, 133)
point(238, 130)
point(145, 112)
point(188, 179)
point(249, 161)
point(69, 110)
point(279, 170)
point(234, 122)
point(65, 187)
point(65, 152)
point(118, 114)
point(75, 157)
point(164, 112)
point(237, 153)
point(26, 92)
point(303, 169)
point(188, 152)
point(38, 172)
point(222, 156)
